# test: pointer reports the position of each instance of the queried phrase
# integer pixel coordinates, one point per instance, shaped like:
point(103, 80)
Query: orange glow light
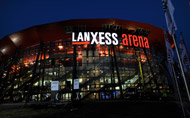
point(60, 47)
point(97, 46)
point(85, 46)
point(121, 47)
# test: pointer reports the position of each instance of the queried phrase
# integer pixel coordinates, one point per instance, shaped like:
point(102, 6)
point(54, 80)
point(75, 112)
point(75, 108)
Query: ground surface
point(100, 109)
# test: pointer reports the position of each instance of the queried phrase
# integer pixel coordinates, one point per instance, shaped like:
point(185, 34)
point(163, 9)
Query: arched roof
point(55, 31)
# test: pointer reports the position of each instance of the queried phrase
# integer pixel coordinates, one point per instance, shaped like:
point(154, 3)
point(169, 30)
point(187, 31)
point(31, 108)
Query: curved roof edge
point(55, 31)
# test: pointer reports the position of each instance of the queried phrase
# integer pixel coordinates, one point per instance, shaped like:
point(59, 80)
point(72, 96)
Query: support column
point(118, 75)
point(43, 73)
point(73, 98)
point(151, 70)
point(30, 92)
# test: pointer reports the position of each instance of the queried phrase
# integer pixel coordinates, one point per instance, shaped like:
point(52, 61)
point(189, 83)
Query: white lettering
point(114, 36)
point(101, 37)
point(94, 35)
point(73, 37)
point(80, 37)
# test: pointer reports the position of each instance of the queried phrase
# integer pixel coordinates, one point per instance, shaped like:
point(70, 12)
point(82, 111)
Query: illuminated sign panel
point(54, 85)
point(107, 38)
point(137, 41)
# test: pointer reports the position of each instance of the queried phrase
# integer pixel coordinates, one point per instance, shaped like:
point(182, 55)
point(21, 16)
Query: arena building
point(33, 58)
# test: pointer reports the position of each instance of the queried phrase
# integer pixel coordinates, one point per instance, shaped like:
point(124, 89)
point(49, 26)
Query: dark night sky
point(16, 15)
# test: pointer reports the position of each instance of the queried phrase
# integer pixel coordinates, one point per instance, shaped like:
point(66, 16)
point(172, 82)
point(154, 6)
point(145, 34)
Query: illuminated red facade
point(34, 57)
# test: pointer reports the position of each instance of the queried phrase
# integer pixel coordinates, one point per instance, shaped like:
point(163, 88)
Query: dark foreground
point(100, 109)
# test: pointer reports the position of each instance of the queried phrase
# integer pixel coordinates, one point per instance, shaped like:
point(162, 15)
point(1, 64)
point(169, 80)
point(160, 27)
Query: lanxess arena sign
point(107, 38)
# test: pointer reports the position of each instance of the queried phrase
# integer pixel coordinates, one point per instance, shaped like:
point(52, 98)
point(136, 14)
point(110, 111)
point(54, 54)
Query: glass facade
point(139, 71)
point(104, 72)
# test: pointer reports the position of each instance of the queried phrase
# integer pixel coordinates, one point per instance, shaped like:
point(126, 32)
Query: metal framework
point(105, 72)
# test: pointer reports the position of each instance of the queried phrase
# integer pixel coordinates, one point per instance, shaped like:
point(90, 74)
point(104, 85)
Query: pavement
point(94, 109)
